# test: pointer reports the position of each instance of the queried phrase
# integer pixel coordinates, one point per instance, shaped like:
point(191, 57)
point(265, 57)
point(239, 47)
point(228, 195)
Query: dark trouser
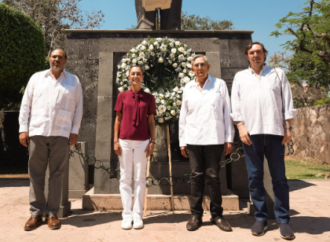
point(170, 18)
point(271, 147)
point(204, 163)
point(43, 150)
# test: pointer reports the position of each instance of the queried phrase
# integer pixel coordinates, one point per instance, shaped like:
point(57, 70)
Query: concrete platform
point(310, 219)
point(99, 202)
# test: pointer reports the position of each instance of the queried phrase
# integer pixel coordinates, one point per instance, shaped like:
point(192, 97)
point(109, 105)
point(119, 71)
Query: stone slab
point(93, 201)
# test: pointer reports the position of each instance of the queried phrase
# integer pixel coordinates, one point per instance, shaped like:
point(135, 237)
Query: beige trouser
point(44, 150)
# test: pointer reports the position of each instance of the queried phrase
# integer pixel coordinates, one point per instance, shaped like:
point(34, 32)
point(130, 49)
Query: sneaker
point(138, 223)
point(286, 232)
point(126, 223)
point(259, 228)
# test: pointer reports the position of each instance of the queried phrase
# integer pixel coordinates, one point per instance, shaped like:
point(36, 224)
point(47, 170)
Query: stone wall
point(311, 134)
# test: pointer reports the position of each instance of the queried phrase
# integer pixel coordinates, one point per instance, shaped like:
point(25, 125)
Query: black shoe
point(222, 224)
point(259, 228)
point(194, 223)
point(286, 232)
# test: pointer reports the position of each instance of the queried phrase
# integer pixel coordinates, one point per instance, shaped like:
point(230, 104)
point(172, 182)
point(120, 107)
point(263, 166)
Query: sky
point(257, 15)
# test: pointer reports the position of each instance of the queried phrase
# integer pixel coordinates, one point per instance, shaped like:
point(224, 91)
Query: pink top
point(135, 108)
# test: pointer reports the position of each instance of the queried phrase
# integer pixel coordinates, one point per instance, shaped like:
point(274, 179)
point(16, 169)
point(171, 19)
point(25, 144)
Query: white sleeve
point(78, 109)
point(25, 110)
point(182, 120)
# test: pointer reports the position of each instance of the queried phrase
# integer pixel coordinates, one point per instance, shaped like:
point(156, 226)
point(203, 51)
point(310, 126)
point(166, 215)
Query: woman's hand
point(117, 148)
point(228, 148)
point(149, 149)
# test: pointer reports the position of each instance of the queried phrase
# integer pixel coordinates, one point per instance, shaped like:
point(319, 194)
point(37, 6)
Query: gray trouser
point(170, 18)
point(43, 150)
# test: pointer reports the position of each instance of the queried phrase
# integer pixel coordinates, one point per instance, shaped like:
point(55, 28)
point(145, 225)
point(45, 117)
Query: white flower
point(124, 60)
point(178, 102)
point(134, 61)
point(171, 44)
point(125, 85)
point(177, 43)
point(133, 50)
point(189, 58)
point(168, 107)
point(189, 50)
point(144, 42)
point(172, 55)
point(178, 96)
point(181, 57)
point(142, 47)
point(189, 65)
point(162, 108)
point(152, 53)
point(142, 55)
point(173, 93)
point(167, 95)
point(186, 79)
point(123, 65)
point(176, 89)
point(184, 71)
point(168, 118)
point(163, 48)
point(157, 100)
point(178, 111)
point(169, 61)
point(140, 62)
point(127, 73)
point(121, 83)
point(161, 95)
point(184, 64)
point(173, 112)
point(151, 47)
point(118, 74)
point(181, 49)
point(159, 39)
point(162, 101)
point(146, 67)
point(175, 65)
point(133, 55)
point(181, 75)
point(160, 60)
point(120, 89)
point(118, 80)
point(155, 43)
point(161, 120)
point(147, 90)
point(191, 73)
point(173, 50)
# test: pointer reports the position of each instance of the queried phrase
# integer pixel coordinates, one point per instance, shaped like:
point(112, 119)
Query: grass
point(296, 169)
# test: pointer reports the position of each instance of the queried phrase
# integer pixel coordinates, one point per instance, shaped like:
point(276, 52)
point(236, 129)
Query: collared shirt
point(135, 108)
point(205, 116)
point(263, 103)
point(51, 107)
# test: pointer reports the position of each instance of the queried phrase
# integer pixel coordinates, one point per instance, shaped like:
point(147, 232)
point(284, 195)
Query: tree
point(195, 22)
point(56, 15)
point(311, 46)
point(22, 53)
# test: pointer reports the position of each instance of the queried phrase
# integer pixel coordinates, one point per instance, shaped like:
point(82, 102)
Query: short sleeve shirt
point(130, 127)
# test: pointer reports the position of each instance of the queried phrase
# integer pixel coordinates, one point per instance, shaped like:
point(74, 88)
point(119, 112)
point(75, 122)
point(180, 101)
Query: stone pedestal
point(93, 57)
point(78, 172)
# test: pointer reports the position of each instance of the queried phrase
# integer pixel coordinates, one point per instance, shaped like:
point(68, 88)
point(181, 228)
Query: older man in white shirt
point(205, 130)
point(262, 109)
point(50, 117)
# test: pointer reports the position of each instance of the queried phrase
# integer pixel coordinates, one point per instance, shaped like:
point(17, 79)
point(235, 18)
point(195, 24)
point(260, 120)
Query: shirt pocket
point(63, 118)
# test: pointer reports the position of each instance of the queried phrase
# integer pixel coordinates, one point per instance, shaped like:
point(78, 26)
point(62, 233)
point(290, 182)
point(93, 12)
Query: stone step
point(91, 201)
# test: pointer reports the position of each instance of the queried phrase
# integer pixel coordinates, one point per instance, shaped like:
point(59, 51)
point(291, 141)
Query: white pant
point(133, 154)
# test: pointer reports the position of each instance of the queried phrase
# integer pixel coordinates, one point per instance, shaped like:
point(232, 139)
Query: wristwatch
point(288, 127)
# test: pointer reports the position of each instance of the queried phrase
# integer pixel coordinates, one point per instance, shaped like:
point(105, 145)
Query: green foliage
point(311, 46)
point(322, 101)
point(22, 53)
point(195, 22)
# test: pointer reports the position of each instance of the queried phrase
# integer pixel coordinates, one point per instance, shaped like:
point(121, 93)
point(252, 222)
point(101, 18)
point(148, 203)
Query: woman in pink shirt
point(134, 140)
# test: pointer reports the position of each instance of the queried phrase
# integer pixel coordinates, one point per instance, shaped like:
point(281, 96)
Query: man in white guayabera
point(262, 109)
point(49, 119)
point(205, 130)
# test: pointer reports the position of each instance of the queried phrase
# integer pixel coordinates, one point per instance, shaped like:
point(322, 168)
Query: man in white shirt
point(49, 119)
point(262, 109)
point(205, 130)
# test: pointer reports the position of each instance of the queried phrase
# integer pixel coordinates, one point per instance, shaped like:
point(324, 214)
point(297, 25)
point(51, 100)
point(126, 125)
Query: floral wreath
point(166, 66)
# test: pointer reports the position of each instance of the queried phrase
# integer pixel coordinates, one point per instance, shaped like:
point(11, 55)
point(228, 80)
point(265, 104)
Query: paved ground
point(310, 211)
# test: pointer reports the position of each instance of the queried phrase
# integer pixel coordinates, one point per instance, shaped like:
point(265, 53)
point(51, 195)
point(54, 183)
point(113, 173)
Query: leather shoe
point(194, 223)
point(221, 223)
point(53, 222)
point(34, 222)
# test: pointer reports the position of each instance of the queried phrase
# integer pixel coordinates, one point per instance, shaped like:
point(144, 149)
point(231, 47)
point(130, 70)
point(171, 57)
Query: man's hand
point(149, 149)
point(73, 138)
point(117, 148)
point(228, 148)
point(24, 138)
point(287, 136)
point(184, 151)
point(244, 135)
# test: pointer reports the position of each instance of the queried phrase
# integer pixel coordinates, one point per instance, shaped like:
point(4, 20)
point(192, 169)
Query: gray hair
point(200, 56)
